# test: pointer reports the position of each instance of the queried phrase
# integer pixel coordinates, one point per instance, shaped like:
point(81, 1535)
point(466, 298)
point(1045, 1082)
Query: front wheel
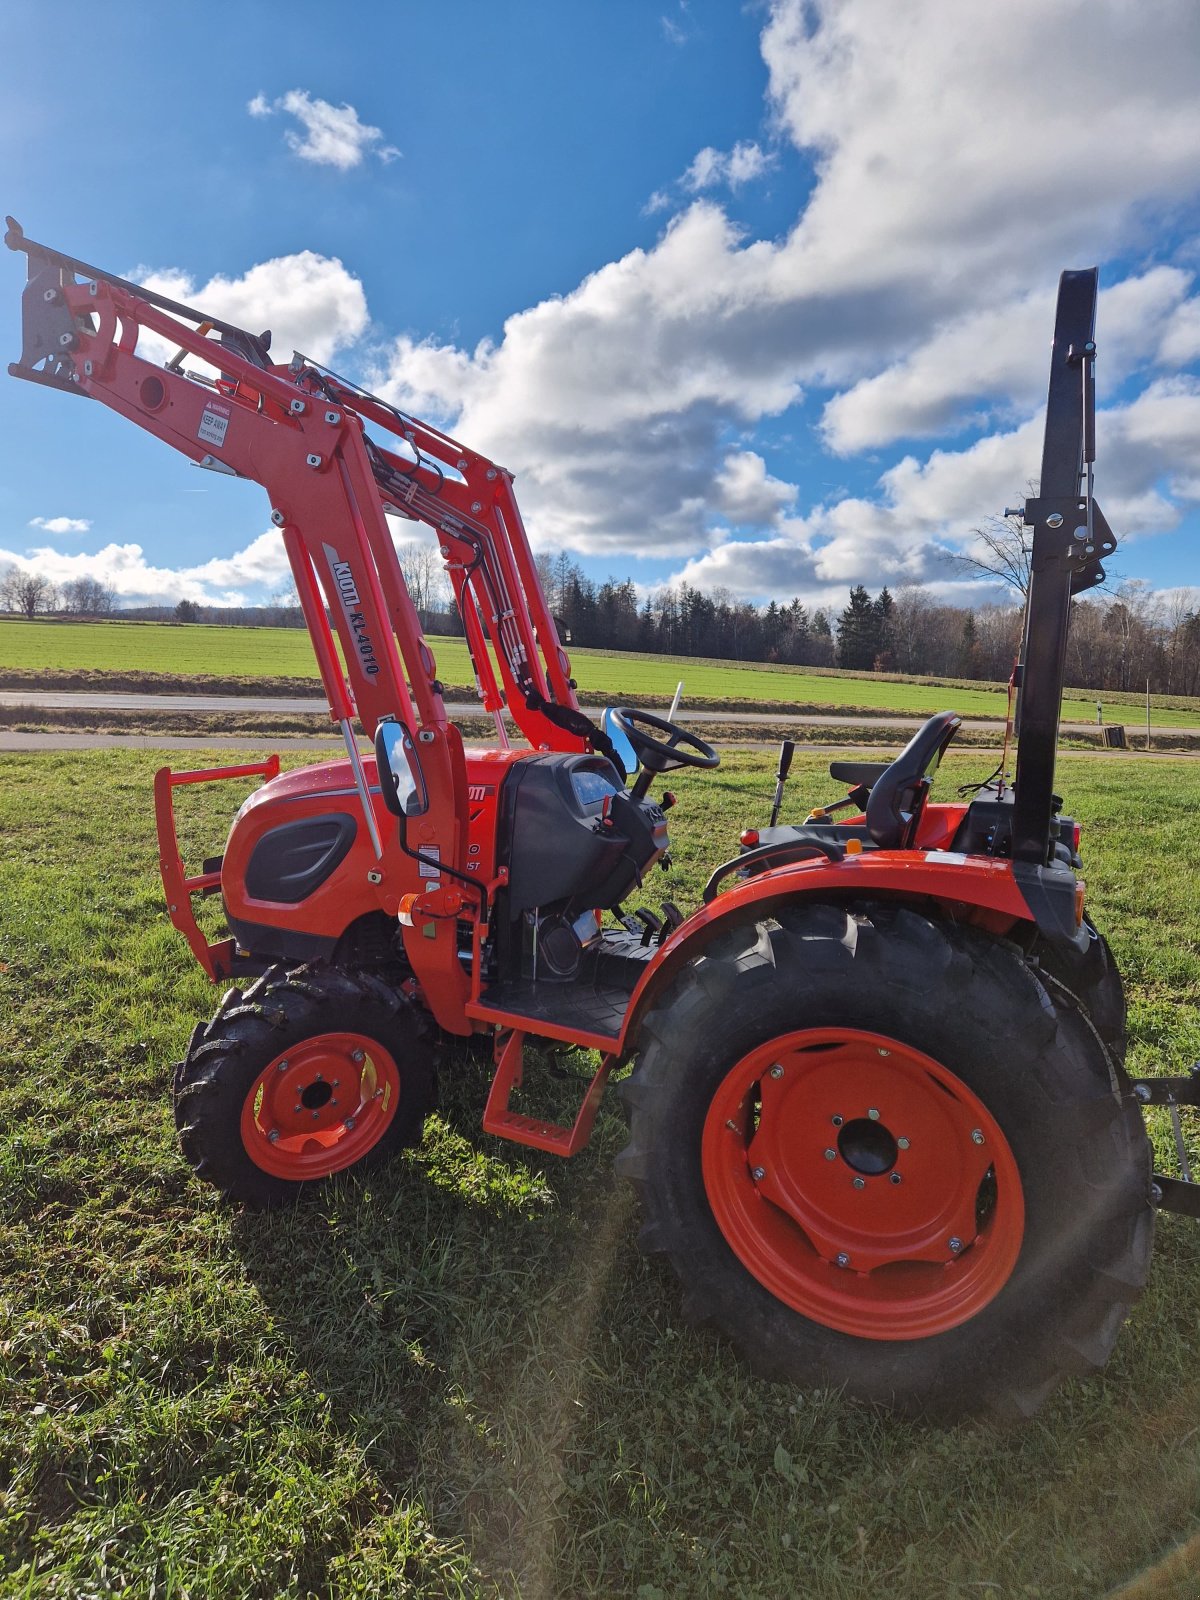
point(882, 1155)
point(308, 1073)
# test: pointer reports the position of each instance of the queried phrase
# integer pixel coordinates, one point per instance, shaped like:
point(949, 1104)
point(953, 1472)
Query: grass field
point(286, 652)
point(460, 1378)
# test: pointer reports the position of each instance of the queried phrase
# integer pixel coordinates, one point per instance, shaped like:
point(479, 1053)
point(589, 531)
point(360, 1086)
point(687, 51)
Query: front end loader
point(879, 1119)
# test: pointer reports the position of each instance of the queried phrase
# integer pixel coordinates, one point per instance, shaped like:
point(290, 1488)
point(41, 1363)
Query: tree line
point(1119, 641)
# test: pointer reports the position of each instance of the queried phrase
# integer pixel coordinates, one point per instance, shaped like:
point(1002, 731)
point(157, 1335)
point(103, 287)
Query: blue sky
point(757, 296)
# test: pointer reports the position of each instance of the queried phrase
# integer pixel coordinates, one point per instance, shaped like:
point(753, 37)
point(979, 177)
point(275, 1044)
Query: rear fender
point(970, 889)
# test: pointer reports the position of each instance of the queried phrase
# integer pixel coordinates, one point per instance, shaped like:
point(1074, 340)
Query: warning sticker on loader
point(431, 868)
point(213, 424)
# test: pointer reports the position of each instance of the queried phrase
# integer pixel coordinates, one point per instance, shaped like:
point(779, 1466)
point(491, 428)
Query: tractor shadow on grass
point(487, 1336)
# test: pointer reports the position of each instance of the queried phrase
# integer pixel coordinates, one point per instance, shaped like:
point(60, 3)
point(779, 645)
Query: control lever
point(786, 751)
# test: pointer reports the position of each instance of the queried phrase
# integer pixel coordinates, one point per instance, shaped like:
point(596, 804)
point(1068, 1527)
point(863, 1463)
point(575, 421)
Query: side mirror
point(621, 742)
point(401, 780)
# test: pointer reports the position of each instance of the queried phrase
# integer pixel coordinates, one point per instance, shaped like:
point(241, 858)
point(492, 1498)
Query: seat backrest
point(898, 794)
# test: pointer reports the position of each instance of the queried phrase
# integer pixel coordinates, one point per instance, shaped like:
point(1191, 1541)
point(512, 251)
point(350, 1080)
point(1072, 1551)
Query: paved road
point(332, 745)
point(265, 705)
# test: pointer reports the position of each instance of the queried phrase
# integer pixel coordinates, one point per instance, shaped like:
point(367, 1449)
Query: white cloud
point(712, 168)
point(993, 359)
point(745, 492)
point(331, 136)
point(673, 29)
point(246, 577)
point(310, 302)
point(951, 180)
point(923, 509)
point(916, 284)
point(61, 525)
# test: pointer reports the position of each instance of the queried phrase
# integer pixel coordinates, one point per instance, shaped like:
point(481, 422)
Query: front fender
point(975, 889)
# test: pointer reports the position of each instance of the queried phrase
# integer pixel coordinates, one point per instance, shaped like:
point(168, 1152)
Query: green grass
point(459, 1378)
point(286, 652)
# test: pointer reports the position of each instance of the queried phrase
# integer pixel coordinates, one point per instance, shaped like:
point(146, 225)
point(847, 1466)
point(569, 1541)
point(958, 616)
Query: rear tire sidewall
point(1034, 1069)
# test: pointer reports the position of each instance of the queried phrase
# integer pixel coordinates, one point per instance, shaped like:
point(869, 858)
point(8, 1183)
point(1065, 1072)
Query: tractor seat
point(898, 790)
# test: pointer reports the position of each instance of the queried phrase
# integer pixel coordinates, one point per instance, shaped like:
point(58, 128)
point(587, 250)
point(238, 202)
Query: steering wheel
point(681, 749)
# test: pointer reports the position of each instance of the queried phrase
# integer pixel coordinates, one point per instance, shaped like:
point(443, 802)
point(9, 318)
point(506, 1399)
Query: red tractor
point(879, 1122)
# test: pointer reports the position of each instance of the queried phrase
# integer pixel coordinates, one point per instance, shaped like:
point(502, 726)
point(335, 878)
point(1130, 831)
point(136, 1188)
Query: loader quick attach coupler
point(1181, 1194)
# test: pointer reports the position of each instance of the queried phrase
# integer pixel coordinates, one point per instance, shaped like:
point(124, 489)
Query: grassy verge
point(134, 649)
point(269, 725)
point(460, 1378)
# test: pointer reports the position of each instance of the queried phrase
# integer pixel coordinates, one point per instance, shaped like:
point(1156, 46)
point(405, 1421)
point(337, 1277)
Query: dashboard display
point(591, 788)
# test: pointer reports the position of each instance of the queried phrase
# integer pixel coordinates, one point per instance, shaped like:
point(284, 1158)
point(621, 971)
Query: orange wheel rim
point(863, 1183)
point(320, 1106)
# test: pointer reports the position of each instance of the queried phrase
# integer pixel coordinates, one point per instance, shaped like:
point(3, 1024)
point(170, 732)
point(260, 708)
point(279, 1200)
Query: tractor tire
point(1094, 981)
point(881, 1155)
point(307, 1073)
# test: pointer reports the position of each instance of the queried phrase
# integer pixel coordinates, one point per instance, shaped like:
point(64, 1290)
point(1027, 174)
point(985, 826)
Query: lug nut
point(758, 1173)
point(895, 1178)
point(350, 1121)
point(873, 1113)
point(976, 1136)
point(884, 1052)
point(283, 1066)
point(273, 1136)
point(843, 1260)
point(902, 1144)
point(955, 1245)
point(837, 1121)
point(777, 1071)
point(860, 1183)
point(831, 1155)
point(357, 1055)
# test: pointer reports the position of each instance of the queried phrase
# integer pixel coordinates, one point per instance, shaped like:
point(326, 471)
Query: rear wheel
point(881, 1154)
point(306, 1074)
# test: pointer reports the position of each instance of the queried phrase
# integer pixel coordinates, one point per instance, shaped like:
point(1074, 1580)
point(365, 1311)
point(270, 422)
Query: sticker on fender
point(946, 858)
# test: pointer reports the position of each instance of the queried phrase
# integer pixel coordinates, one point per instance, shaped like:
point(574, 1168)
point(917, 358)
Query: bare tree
point(424, 575)
point(26, 592)
point(88, 597)
point(1002, 548)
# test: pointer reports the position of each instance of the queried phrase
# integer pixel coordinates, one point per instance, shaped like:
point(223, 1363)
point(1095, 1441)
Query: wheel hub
point(868, 1147)
point(320, 1105)
point(863, 1183)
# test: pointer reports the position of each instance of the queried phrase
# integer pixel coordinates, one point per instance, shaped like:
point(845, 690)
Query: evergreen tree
point(858, 632)
point(885, 608)
point(968, 650)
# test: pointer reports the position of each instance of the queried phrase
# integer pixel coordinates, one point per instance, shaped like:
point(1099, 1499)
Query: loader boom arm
point(312, 440)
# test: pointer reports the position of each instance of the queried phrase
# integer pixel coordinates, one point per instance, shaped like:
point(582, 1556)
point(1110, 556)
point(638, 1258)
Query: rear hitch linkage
point(1180, 1194)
